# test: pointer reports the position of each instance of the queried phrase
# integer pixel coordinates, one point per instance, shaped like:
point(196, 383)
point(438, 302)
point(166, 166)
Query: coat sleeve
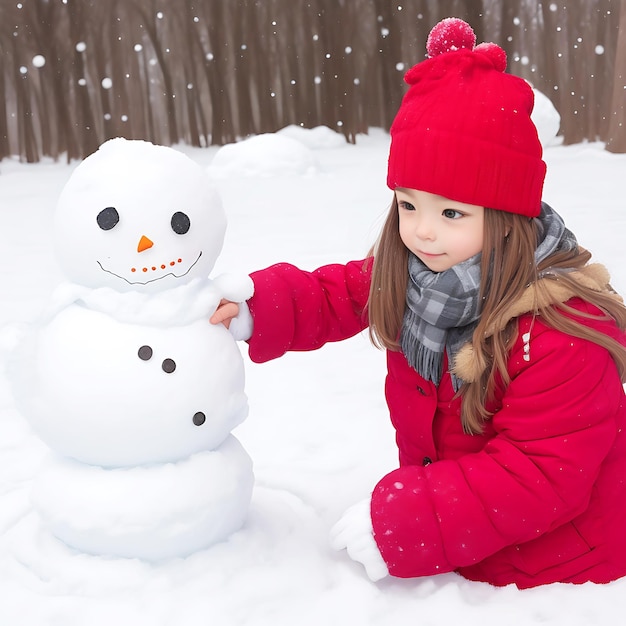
point(556, 425)
point(294, 309)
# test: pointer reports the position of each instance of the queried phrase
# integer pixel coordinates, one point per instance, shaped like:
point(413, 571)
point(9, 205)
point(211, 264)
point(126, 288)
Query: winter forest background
point(74, 73)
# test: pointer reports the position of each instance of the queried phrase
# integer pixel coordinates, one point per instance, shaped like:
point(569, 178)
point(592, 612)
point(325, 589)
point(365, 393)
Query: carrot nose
point(144, 244)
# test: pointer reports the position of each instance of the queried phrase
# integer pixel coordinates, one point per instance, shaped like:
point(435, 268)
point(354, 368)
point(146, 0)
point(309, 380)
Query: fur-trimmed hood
point(593, 276)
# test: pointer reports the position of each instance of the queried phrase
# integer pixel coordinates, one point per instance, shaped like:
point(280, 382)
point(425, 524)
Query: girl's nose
point(144, 244)
point(424, 230)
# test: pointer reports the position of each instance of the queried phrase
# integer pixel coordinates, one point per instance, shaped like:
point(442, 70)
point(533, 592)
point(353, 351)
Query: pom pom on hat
point(493, 52)
point(454, 34)
point(463, 130)
point(449, 35)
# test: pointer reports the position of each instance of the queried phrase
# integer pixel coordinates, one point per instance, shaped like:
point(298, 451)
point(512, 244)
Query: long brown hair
point(509, 245)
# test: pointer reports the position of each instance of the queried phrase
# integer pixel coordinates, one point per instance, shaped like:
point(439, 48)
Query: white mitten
point(354, 533)
point(241, 326)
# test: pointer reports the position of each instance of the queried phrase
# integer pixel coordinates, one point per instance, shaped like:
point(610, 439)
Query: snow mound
point(546, 118)
point(318, 138)
point(266, 155)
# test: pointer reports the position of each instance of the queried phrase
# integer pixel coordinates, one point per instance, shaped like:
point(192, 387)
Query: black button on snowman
point(168, 366)
point(128, 383)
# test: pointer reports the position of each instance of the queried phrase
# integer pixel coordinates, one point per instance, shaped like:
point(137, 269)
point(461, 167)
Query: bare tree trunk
point(195, 130)
point(84, 120)
point(388, 45)
point(617, 120)
point(6, 19)
point(245, 64)
point(27, 144)
point(218, 71)
point(50, 30)
point(5, 144)
point(151, 28)
point(100, 94)
point(149, 110)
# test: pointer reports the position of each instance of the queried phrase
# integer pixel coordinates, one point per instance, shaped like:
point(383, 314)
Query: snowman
point(125, 379)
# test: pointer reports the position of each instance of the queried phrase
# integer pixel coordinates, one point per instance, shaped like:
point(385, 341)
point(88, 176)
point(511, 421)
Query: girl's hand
point(354, 533)
point(225, 313)
point(236, 318)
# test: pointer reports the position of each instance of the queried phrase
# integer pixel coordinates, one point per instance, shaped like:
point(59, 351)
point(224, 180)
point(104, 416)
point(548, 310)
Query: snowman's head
point(137, 216)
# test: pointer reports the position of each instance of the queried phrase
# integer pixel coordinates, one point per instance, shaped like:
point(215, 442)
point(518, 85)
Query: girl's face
point(438, 231)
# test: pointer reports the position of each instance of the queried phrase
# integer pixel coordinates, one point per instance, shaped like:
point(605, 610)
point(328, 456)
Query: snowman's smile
point(144, 274)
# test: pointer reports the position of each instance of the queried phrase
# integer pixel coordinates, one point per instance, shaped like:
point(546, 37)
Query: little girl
point(506, 350)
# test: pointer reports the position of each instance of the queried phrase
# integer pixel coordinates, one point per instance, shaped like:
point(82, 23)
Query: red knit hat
point(463, 130)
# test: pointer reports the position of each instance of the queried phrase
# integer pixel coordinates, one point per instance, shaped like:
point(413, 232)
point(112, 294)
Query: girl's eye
point(180, 223)
point(452, 214)
point(407, 206)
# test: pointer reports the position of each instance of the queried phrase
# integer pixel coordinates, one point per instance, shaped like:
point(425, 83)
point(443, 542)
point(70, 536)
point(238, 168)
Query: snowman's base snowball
point(152, 512)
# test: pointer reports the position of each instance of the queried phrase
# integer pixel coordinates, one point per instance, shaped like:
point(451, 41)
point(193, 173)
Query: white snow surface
point(318, 431)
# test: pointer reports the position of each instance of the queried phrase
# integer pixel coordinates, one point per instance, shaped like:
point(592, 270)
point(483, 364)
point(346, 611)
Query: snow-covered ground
point(318, 430)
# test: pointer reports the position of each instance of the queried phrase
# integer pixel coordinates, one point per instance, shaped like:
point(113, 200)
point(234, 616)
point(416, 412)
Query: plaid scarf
point(442, 308)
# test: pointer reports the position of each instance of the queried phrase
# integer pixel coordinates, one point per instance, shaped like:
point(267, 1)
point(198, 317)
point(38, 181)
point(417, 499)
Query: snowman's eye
point(180, 223)
point(108, 218)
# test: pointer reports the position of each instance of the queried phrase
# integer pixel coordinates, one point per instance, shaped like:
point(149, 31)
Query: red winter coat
point(539, 497)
